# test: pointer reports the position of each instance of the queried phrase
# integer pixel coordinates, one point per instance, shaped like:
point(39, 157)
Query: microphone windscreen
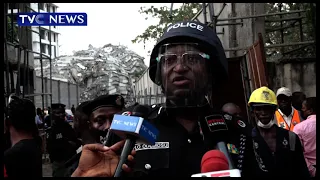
point(140, 111)
point(214, 160)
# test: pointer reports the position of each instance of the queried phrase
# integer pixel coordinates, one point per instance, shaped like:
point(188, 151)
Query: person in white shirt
point(286, 115)
point(38, 118)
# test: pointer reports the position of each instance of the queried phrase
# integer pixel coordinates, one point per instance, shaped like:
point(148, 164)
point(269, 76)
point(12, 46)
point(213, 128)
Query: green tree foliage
point(291, 34)
point(185, 12)
point(11, 31)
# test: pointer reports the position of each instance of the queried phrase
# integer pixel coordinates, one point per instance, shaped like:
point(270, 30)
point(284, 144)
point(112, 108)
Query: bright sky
point(113, 23)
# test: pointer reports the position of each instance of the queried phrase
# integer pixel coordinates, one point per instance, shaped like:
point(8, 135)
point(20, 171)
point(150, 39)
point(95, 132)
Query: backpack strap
point(292, 141)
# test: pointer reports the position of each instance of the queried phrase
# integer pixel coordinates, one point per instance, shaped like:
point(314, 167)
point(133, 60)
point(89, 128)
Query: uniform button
point(189, 141)
point(147, 166)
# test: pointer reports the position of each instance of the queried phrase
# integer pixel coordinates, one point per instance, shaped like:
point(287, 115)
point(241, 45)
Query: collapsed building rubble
point(107, 70)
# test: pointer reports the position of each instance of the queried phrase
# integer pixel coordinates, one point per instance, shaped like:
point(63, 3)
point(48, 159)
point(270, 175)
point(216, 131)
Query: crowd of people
point(277, 140)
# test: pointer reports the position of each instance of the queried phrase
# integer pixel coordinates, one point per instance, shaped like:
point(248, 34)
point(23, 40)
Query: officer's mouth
point(180, 81)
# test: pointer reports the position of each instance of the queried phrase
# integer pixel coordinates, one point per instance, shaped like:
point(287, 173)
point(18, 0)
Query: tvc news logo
point(52, 19)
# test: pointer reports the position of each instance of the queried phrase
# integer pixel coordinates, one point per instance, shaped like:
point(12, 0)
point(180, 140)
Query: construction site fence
point(150, 99)
point(62, 92)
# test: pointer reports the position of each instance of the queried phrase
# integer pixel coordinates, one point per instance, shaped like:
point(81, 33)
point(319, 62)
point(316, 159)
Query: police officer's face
point(183, 70)
point(102, 117)
point(264, 113)
point(284, 101)
point(59, 114)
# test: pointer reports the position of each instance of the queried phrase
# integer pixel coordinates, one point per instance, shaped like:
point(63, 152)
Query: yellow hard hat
point(263, 95)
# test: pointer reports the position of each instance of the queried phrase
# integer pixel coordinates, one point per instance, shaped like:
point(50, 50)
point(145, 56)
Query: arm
point(300, 134)
point(300, 166)
point(38, 121)
point(72, 136)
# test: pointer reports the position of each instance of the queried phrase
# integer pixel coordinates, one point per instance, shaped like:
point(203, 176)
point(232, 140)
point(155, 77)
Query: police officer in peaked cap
point(100, 112)
point(98, 115)
point(187, 62)
point(62, 142)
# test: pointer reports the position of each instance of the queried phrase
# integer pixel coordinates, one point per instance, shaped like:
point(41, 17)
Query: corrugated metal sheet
point(62, 92)
point(256, 62)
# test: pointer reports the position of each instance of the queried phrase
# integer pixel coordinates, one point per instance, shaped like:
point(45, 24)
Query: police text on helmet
point(186, 25)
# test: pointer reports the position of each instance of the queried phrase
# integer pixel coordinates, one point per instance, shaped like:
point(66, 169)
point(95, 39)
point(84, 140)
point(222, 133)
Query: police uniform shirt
point(176, 152)
point(58, 138)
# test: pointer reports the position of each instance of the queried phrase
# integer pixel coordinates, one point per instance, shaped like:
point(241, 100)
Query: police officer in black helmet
point(187, 62)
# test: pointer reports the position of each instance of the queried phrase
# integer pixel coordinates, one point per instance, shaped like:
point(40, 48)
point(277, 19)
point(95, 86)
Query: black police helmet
point(193, 32)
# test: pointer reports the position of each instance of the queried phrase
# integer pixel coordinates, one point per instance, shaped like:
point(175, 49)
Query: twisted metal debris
point(107, 70)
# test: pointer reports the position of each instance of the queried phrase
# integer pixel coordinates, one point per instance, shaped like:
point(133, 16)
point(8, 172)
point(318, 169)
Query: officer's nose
point(180, 67)
point(107, 125)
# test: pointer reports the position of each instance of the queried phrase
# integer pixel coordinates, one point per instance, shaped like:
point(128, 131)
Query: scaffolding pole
point(50, 96)
point(219, 13)
point(18, 90)
point(261, 15)
point(204, 13)
point(19, 47)
point(285, 19)
point(273, 45)
point(41, 65)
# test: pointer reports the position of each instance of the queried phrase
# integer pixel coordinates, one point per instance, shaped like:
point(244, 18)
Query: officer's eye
point(168, 59)
point(191, 58)
point(100, 120)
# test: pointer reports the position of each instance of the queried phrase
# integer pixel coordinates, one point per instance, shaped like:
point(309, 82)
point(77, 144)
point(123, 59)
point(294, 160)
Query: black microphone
point(133, 127)
point(215, 132)
point(108, 139)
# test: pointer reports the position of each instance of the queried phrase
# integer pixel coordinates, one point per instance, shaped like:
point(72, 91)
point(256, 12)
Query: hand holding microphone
point(100, 161)
point(97, 160)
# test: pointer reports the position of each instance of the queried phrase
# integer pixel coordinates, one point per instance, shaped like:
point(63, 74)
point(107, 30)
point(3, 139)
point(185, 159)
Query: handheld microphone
point(215, 131)
point(215, 164)
point(134, 129)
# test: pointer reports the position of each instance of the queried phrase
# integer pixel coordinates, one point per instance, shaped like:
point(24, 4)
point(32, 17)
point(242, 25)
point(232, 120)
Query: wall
point(62, 92)
point(296, 75)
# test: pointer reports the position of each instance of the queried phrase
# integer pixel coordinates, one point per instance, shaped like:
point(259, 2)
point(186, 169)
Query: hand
point(100, 161)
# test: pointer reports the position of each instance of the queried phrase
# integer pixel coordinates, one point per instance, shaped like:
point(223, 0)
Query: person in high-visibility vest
point(277, 151)
point(286, 115)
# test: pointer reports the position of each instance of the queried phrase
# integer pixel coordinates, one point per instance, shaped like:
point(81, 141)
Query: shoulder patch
point(241, 123)
point(126, 113)
point(232, 149)
point(227, 117)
